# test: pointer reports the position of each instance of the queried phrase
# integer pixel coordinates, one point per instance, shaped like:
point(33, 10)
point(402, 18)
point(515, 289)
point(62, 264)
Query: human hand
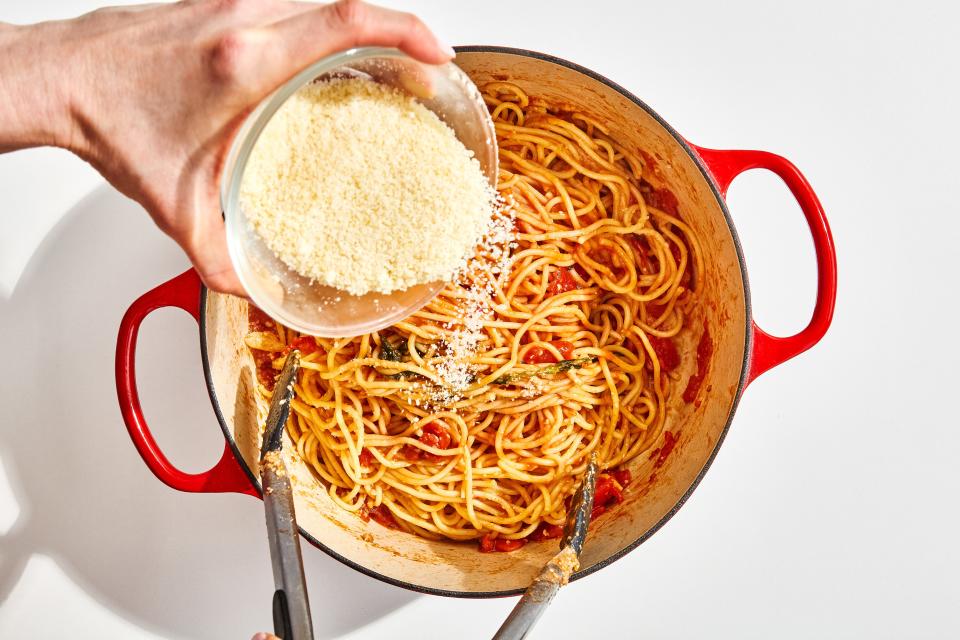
point(152, 95)
point(265, 636)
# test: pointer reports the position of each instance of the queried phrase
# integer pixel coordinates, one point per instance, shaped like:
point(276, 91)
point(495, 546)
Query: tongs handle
point(291, 607)
point(525, 614)
point(546, 584)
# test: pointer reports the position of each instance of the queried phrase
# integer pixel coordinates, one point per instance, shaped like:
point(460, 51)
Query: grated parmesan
point(358, 186)
point(477, 283)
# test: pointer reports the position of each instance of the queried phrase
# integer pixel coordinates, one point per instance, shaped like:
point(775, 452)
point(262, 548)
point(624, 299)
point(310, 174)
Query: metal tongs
point(557, 572)
point(291, 608)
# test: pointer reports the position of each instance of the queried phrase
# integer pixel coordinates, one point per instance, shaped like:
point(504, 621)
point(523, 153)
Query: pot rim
point(744, 367)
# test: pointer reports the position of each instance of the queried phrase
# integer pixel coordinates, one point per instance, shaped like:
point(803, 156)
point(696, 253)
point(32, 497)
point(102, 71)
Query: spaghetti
point(569, 349)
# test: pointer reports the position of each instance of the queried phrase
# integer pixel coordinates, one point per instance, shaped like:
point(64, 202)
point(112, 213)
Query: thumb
point(265, 636)
point(312, 35)
point(207, 249)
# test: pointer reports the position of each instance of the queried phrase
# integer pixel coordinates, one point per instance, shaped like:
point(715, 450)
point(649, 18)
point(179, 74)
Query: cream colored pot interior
point(460, 568)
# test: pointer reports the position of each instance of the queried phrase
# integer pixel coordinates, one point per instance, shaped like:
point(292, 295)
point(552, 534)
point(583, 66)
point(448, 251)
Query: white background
point(832, 509)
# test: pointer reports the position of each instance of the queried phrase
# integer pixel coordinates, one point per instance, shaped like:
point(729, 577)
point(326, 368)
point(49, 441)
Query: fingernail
point(261, 636)
point(447, 49)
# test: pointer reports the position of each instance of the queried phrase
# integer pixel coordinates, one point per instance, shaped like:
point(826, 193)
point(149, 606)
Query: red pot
point(699, 178)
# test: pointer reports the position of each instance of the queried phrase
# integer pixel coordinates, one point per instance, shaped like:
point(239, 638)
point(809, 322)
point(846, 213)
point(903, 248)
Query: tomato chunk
point(560, 281)
point(265, 371)
point(489, 544)
point(565, 348)
point(608, 258)
point(502, 544)
point(623, 477)
point(381, 513)
point(305, 345)
point(608, 493)
point(540, 355)
point(434, 436)
point(366, 458)
point(666, 351)
point(547, 532)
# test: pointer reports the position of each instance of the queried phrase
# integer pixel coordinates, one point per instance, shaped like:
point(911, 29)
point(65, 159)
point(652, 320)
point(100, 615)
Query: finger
point(207, 250)
point(265, 636)
point(311, 35)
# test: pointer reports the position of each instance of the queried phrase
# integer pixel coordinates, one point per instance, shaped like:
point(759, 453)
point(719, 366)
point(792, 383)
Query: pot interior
point(658, 489)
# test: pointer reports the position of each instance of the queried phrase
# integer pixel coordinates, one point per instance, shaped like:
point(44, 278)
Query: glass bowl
point(281, 292)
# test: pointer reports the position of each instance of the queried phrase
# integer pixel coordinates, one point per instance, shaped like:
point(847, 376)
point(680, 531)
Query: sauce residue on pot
point(704, 353)
point(661, 454)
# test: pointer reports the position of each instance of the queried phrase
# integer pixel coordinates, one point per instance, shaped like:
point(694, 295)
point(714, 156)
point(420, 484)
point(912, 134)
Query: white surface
point(831, 510)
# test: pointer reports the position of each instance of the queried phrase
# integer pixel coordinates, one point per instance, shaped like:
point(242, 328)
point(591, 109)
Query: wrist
point(35, 89)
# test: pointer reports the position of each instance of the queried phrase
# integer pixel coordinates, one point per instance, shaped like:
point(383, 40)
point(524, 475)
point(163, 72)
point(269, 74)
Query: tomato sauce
point(704, 354)
point(654, 310)
point(641, 250)
point(648, 263)
point(257, 320)
point(607, 257)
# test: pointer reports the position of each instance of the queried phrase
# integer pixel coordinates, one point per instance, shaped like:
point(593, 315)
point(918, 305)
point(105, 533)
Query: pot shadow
point(176, 564)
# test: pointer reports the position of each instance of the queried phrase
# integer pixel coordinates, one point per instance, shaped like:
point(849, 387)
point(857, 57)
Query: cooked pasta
point(560, 344)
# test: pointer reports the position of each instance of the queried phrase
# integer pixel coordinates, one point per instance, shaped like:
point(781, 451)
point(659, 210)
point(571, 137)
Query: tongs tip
point(581, 507)
point(280, 404)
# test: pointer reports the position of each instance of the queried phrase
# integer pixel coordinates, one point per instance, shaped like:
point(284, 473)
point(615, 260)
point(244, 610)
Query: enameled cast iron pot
point(699, 178)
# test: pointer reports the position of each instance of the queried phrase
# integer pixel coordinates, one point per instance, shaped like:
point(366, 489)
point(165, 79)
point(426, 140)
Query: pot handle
point(769, 351)
point(226, 476)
